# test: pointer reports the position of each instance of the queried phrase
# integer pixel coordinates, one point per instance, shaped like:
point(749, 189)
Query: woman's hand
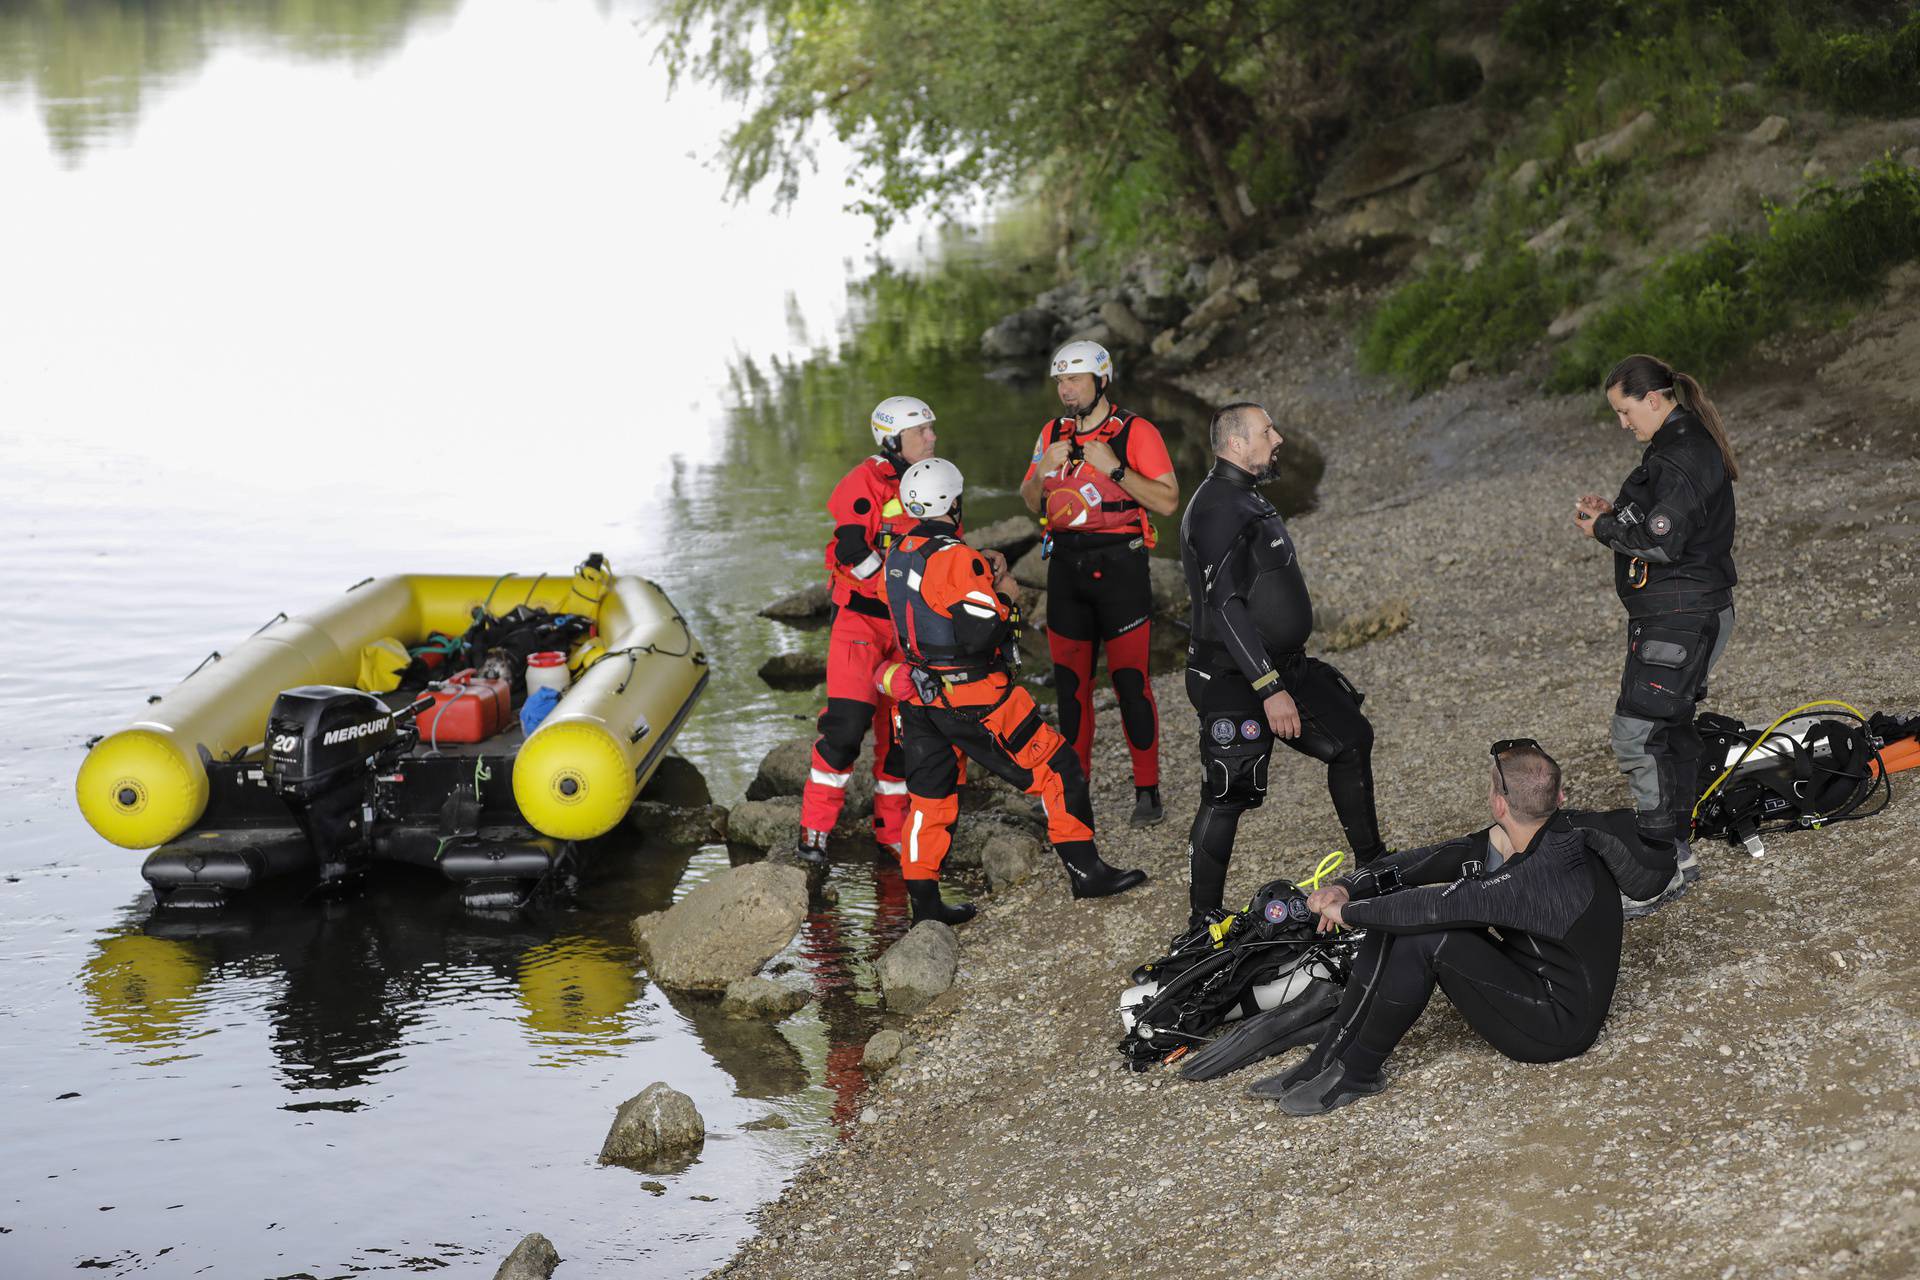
point(1589, 508)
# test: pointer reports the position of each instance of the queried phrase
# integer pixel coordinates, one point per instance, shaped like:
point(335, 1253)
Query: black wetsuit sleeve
point(1537, 896)
point(1430, 864)
point(1613, 838)
point(1225, 552)
point(1657, 535)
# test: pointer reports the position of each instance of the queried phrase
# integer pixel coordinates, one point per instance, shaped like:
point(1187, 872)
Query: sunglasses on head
point(1505, 745)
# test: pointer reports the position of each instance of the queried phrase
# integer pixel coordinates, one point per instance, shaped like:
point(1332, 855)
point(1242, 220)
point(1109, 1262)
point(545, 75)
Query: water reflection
point(92, 64)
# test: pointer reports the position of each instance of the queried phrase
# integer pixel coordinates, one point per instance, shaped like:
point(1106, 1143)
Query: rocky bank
point(1749, 1111)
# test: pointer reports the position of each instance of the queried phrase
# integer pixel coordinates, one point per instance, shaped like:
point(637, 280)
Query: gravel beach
point(1749, 1109)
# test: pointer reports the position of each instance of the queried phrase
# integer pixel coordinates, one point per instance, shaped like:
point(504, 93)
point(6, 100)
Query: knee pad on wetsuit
point(1136, 712)
point(1234, 779)
point(842, 726)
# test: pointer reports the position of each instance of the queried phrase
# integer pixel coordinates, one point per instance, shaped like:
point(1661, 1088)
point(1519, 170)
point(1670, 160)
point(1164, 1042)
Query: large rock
point(974, 831)
point(763, 998)
point(658, 1121)
point(700, 825)
point(809, 604)
point(1550, 237)
point(1186, 352)
point(1030, 570)
point(1619, 144)
point(794, 670)
point(1126, 326)
point(1023, 333)
point(783, 772)
point(534, 1258)
point(678, 781)
point(1012, 537)
point(1012, 855)
point(765, 824)
point(1170, 597)
point(1397, 153)
point(919, 967)
point(725, 929)
point(1767, 132)
point(1223, 304)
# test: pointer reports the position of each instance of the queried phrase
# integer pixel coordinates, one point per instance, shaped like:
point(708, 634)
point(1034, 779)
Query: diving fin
point(1267, 1034)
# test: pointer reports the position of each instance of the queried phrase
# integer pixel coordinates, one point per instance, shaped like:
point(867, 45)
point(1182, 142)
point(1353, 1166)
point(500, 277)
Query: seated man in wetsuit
point(1519, 924)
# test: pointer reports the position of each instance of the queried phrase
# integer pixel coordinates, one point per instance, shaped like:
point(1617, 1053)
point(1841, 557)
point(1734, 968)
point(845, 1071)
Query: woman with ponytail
point(1671, 534)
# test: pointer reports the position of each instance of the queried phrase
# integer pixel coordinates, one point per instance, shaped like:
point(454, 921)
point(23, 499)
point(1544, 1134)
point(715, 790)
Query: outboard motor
point(323, 748)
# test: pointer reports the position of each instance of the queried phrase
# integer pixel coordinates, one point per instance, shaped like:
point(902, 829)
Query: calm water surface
point(294, 294)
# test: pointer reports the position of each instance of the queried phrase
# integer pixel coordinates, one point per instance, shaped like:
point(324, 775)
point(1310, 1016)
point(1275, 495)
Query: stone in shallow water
point(657, 1121)
point(725, 929)
point(762, 998)
point(534, 1258)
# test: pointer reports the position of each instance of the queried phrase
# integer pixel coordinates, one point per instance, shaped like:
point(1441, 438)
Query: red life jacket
point(1082, 499)
point(877, 482)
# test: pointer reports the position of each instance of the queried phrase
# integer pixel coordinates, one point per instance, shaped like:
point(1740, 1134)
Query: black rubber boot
point(1092, 876)
point(1147, 808)
point(1334, 1087)
point(811, 851)
point(927, 904)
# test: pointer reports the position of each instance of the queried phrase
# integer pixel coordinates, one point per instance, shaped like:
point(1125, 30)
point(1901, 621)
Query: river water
point(295, 294)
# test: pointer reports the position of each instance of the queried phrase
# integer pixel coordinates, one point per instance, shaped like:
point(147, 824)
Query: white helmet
point(931, 488)
point(1082, 356)
point(894, 415)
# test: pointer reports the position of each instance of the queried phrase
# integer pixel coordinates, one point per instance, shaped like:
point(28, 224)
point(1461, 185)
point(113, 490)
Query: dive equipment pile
point(1238, 987)
point(1817, 764)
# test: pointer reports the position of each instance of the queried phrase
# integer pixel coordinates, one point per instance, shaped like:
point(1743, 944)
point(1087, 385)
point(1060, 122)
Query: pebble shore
point(1749, 1111)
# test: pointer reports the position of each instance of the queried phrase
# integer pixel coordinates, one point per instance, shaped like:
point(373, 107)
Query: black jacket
point(1554, 906)
point(1250, 604)
point(1675, 513)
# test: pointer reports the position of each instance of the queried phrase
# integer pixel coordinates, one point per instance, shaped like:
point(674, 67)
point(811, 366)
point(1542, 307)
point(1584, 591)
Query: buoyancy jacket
point(867, 518)
point(1671, 528)
point(1553, 908)
point(946, 613)
point(1250, 603)
point(1080, 499)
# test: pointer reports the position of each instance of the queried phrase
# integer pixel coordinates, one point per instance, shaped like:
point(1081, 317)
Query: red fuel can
point(465, 709)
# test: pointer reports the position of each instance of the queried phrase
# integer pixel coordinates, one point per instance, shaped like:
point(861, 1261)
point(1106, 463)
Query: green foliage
point(1705, 308)
point(1147, 122)
point(1448, 314)
point(1872, 72)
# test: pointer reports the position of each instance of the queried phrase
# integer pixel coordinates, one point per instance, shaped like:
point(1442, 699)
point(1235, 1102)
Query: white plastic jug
point(548, 671)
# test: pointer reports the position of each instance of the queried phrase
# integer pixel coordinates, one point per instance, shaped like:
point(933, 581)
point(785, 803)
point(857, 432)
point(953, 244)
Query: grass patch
point(1706, 307)
point(1488, 315)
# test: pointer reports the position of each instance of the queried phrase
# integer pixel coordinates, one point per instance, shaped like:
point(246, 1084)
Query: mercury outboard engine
point(324, 749)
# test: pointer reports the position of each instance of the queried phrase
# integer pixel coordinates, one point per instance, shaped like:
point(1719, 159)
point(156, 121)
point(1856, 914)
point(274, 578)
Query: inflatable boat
point(390, 726)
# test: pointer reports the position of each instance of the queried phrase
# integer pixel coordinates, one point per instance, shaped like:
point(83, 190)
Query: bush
point(1876, 73)
point(1705, 308)
point(1450, 314)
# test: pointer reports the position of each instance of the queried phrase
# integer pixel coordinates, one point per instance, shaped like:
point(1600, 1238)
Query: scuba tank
point(1226, 968)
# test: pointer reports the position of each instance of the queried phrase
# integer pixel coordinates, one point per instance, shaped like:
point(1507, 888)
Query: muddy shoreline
point(1749, 1110)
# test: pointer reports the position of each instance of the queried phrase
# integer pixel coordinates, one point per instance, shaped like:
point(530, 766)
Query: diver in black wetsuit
point(1520, 925)
point(1247, 676)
